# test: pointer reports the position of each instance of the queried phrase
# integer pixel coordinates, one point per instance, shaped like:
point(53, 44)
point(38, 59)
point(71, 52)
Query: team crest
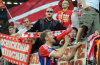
point(49, 50)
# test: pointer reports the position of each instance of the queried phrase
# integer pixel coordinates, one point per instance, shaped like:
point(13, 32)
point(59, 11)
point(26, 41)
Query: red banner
point(15, 50)
point(35, 34)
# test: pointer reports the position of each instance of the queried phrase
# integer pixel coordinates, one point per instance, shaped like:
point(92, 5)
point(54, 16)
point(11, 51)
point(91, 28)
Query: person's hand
point(23, 26)
point(15, 26)
point(1, 57)
point(78, 44)
point(61, 42)
point(67, 38)
point(97, 33)
point(33, 41)
point(0, 39)
point(86, 7)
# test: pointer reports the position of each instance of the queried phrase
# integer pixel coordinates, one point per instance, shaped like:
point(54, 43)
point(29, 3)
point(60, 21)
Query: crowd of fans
point(60, 24)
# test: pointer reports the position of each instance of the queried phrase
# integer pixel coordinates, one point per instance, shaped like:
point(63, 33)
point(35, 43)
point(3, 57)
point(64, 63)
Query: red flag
point(32, 9)
point(2, 5)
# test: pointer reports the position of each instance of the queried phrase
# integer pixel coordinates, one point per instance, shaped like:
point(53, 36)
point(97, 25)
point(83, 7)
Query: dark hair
point(68, 1)
point(43, 35)
point(75, 29)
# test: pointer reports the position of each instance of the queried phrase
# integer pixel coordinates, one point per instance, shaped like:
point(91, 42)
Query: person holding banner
point(12, 30)
point(48, 55)
point(64, 16)
point(26, 26)
point(89, 21)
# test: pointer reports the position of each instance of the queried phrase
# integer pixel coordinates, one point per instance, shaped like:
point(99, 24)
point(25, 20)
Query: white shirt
point(22, 30)
point(93, 3)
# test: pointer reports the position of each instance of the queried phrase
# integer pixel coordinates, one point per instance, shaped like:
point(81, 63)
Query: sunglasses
point(49, 11)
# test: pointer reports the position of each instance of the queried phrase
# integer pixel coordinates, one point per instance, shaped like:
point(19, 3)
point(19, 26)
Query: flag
point(2, 5)
point(32, 9)
point(91, 51)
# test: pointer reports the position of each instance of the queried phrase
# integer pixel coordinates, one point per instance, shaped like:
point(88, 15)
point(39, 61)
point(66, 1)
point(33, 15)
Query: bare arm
point(15, 34)
point(15, 27)
point(86, 7)
point(60, 52)
point(69, 57)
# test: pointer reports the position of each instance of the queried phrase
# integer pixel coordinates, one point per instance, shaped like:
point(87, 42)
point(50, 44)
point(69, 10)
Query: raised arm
point(69, 56)
point(86, 7)
point(59, 53)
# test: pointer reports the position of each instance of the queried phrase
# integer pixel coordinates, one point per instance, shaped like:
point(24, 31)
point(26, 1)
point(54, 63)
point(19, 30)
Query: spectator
point(50, 54)
point(89, 21)
point(64, 16)
point(72, 35)
point(26, 26)
point(11, 30)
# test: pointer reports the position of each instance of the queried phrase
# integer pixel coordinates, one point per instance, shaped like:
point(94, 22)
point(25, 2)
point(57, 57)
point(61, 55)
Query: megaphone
point(62, 35)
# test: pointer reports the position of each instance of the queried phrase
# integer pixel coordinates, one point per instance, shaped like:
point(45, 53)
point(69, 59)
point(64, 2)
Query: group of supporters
point(89, 24)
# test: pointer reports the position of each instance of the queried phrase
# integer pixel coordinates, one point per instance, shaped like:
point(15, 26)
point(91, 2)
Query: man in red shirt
point(64, 16)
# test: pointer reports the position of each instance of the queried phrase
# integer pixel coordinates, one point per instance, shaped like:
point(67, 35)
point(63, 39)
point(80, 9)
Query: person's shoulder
point(38, 21)
point(41, 18)
point(59, 11)
point(55, 20)
point(44, 47)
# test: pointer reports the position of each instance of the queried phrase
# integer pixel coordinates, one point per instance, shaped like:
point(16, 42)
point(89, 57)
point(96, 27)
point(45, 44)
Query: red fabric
point(14, 50)
point(2, 5)
point(71, 7)
point(44, 51)
point(65, 18)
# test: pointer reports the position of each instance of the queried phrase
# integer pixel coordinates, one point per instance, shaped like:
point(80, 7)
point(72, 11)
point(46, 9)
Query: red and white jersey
point(44, 55)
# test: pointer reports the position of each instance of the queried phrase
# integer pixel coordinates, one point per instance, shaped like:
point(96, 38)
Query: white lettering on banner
point(31, 34)
point(14, 55)
point(15, 45)
point(28, 35)
point(24, 35)
point(35, 35)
